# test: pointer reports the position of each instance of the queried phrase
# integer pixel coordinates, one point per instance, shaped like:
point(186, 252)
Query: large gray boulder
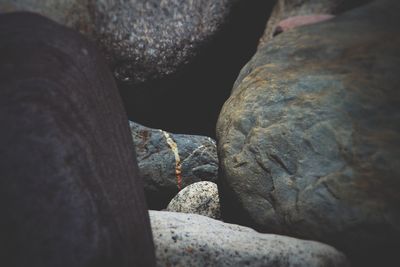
point(170, 162)
point(309, 139)
point(194, 240)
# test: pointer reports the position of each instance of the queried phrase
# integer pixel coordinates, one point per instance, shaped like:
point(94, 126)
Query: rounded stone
point(199, 198)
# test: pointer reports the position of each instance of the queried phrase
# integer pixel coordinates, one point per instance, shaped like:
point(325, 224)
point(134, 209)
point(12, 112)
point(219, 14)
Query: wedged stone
point(309, 140)
point(199, 198)
point(194, 240)
point(170, 162)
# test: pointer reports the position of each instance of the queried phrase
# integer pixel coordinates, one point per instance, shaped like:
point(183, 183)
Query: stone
point(194, 240)
point(143, 39)
point(180, 56)
point(199, 198)
point(170, 162)
point(70, 192)
point(309, 140)
point(288, 14)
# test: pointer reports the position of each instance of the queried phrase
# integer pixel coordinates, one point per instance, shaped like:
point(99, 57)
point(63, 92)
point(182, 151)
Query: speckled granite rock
point(199, 198)
point(294, 13)
point(309, 140)
point(170, 162)
point(194, 240)
point(143, 39)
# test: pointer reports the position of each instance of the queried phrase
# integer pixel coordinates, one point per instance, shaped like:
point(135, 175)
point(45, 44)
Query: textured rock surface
point(306, 12)
point(170, 162)
point(194, 240)
point(198, 198)
point(309, 139)
point(70, 193)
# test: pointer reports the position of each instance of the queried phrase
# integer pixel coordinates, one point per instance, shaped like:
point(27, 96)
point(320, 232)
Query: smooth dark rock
point(170, 162)
point(70, 193)
point(194, 240)
point(309, 141)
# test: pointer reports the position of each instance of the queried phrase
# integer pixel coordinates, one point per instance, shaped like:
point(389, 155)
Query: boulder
point(70, 192)
point(170, 162)
point(198, 198)
point(194, 240)
point(309, 141)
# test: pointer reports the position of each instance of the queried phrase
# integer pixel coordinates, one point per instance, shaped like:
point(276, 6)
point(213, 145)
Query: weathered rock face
point(194, 240)
point(309, 139)
point(170, 162)
point(180, 56)
point(70, 193)
point(199, 198)
point(289, 14)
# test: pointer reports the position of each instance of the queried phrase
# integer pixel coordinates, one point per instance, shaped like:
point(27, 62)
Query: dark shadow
point(350, 4)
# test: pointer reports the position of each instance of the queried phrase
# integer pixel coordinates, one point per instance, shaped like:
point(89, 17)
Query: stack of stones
point(303, 171)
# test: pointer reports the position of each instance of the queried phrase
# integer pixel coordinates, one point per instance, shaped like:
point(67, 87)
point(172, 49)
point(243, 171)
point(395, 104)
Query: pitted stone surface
point(194, 240)
point(199, 198)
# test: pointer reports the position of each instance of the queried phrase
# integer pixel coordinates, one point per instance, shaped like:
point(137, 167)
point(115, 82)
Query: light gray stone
point(194, 240)
point(199, 198)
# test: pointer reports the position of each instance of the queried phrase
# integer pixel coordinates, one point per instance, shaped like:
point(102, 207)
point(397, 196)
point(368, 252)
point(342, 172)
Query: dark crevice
point(190, 100)
point(347, 5)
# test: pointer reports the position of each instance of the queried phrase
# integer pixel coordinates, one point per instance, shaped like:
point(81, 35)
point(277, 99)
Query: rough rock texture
point(194, 240)
point(309, 140)
point(170, 162)
point(305, 12)
point(198, 198)
point(70, 193)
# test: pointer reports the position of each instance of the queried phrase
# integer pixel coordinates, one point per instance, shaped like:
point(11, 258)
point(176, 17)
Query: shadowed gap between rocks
point(347, 5)
point(189, 101)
